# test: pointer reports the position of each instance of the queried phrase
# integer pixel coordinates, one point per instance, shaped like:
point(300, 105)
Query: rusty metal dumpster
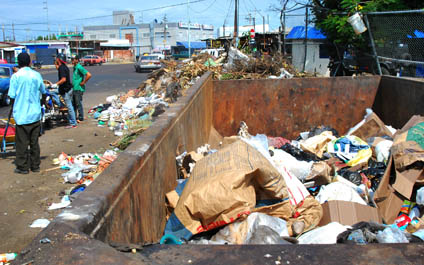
point(125, 206)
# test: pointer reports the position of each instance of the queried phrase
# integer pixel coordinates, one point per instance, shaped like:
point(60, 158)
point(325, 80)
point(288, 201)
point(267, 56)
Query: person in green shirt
point(79, 78)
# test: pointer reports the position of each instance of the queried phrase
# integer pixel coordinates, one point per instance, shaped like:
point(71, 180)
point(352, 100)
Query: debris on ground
point(81, 170)
point(320, 188)
point(130, 114)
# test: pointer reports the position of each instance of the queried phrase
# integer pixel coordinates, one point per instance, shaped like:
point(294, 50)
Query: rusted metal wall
point(137, 213)
point(398, 99)
point(287, 107)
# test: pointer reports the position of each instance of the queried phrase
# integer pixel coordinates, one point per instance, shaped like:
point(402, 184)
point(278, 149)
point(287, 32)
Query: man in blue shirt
point(26, 88)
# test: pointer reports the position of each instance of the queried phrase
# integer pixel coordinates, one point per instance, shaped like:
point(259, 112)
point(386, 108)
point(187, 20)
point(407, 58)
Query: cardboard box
point(348, 213)
point(373, 126)
point(387, 199)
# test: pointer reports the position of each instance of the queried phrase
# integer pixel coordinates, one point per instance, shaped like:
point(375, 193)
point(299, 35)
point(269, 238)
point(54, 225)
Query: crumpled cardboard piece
point(317, 144)
point(172, 198)
point(408, 156)
point(387, 199)
point(321, 173)
point(373, 126)
point(348, 213)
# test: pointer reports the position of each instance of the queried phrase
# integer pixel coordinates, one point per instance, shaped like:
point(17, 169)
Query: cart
point(7, 135)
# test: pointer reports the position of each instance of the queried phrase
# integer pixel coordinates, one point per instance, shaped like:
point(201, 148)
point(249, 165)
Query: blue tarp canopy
point(193, 44)
point(298, 32)
point(418, 35)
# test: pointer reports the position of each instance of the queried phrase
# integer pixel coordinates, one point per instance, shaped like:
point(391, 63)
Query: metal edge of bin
point(70, 230)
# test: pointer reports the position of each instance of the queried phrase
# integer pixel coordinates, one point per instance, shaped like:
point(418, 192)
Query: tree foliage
point(329, 19)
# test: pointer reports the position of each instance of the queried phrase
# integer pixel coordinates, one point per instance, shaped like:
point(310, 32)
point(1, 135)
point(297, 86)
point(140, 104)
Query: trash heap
point(128, 115)
point(321, 188)
point(81, 170)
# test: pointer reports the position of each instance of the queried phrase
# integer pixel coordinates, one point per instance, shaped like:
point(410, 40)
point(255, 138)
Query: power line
point(206, 9)
point(229, 10)
point(104, 16)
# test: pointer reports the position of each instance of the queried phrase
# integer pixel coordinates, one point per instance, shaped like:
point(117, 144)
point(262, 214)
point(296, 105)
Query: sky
point(30, 16)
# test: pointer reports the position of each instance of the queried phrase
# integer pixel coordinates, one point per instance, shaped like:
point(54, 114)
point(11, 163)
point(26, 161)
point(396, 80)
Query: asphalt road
point(107, 80)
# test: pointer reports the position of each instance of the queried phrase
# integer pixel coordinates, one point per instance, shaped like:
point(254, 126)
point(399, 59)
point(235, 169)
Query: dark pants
point(77, 102)
point(27, 136)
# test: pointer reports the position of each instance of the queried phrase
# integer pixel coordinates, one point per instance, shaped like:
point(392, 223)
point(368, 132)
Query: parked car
point(92, 60)
point(6, 72)
point(148, 62)
point(3, 61)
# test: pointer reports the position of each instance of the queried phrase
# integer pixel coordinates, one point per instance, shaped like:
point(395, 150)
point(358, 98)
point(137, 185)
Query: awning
point(193, 44)
point(298, 32)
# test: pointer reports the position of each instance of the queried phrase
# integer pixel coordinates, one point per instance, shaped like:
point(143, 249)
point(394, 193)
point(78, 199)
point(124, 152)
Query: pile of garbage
point(321, 188)
point(129, 114)
point(81, 170)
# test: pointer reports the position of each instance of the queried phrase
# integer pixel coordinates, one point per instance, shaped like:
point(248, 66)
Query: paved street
point(107, 80)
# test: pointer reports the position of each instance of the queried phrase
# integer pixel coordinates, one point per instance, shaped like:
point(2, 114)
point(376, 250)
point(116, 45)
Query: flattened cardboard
point(406, 153)
point(348, 213)
point(406, 180)
point(388, 201)
point(372, 127)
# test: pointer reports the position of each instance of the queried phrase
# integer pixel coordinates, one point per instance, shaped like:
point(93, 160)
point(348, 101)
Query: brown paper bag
point(221, 187)
point(309, 211)
point(317, 144)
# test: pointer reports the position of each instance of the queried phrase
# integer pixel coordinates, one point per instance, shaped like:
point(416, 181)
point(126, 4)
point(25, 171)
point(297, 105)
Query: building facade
point(146, 37)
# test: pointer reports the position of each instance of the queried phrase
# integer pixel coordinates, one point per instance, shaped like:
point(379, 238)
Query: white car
point(148, 62)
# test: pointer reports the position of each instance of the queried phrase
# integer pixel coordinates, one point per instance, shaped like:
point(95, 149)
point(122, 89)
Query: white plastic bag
point(244, 231)
point(300, 169)
point(391, 235)
point(420, 196)
point(338, 191)
point(323, 235)
point(40, 223)
point(382, 150)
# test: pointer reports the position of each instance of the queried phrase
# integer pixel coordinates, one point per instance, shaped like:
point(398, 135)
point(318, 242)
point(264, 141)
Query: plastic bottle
point(6, 257)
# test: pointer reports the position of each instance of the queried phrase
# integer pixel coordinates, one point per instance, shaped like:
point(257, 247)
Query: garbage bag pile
point(321, 188)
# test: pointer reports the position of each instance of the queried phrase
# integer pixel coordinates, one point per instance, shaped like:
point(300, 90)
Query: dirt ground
point(25, 198)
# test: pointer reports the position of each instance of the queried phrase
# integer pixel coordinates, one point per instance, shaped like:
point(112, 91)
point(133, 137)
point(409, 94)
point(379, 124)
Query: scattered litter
point(45, 241)
point(65, 202)
point(40, 223)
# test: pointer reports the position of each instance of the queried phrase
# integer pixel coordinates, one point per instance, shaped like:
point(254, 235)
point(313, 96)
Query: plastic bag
point(382, 150)
point(258, 228)
point(338, 191)
point(391, 235)
point(300, 169)
point(351, 149)
point(420, 196)
point(323, 235)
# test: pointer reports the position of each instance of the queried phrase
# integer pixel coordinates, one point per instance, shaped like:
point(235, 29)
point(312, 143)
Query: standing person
point(26, 87)
point(80, 77)
point(65, 88)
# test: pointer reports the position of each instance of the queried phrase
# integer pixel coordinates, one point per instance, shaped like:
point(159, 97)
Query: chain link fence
point(398, 39)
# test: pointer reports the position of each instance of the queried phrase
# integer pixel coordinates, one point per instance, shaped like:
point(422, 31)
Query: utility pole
point(46, 7)
point(4, 36)
point(189, 41)
point(165, 20)
point(263, 27)
point(306, 36)
point(13, 30)
point(249, 18)
point(235, 36)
